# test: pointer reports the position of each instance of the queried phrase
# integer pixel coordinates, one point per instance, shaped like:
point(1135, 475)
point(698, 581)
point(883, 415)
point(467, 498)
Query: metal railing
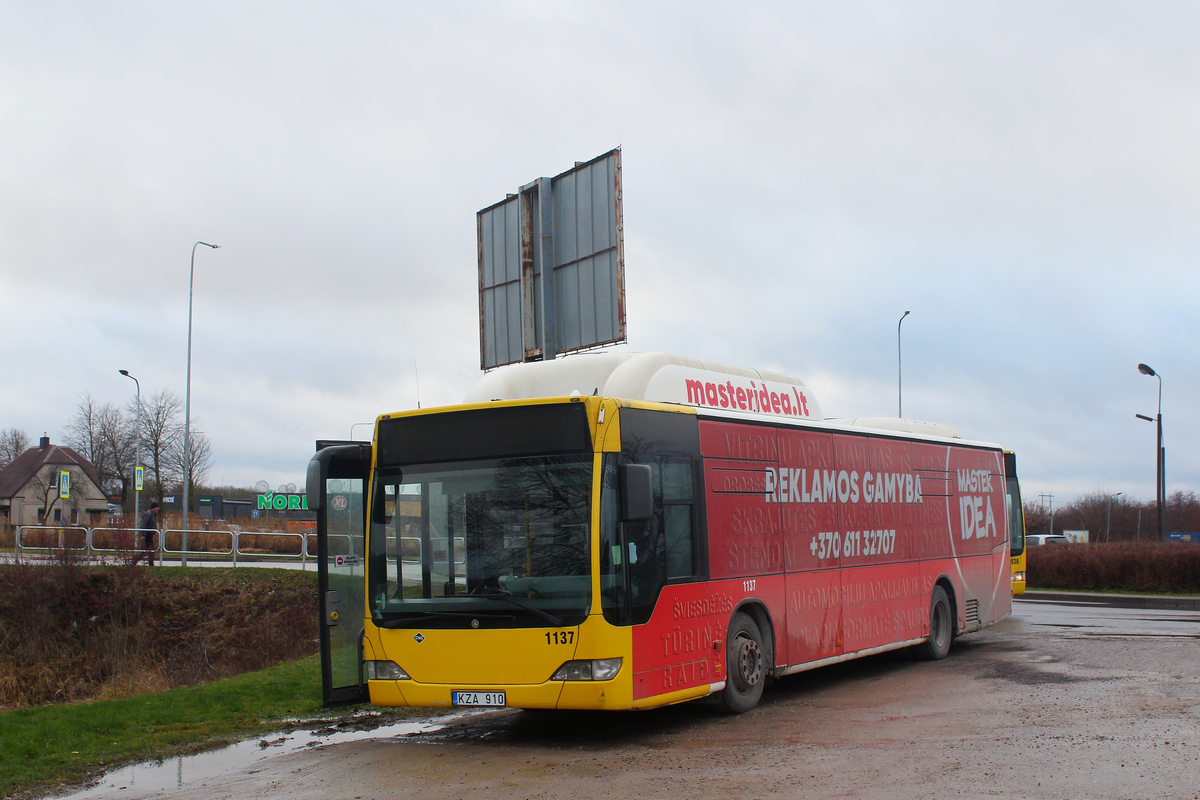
point(114, 545)
point(60, 538)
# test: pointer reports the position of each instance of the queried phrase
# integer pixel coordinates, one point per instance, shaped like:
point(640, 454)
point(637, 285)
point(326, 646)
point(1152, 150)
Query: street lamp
point(1161, 499)
point(899, 370)
point(137, 496)
point(187, 407)
point(1108, 515)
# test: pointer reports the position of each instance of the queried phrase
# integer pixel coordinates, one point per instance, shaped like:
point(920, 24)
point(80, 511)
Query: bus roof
point(654, 377)
point(667, 378)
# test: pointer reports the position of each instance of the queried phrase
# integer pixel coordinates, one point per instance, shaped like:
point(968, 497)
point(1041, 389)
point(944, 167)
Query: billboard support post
point(546, 251)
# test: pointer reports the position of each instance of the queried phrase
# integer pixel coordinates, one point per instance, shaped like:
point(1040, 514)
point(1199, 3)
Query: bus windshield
point(1016, 517)
point(482, 543)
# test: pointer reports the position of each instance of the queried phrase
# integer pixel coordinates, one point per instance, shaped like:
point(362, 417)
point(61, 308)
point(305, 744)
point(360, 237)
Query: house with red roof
point(29, 488)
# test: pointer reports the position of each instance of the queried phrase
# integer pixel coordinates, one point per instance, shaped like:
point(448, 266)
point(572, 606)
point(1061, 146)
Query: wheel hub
point(749, 661)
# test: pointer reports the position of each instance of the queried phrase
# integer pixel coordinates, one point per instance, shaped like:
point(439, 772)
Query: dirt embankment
point(70, 633)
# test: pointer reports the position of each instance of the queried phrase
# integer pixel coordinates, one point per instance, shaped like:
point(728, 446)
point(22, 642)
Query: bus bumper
point(614, 694)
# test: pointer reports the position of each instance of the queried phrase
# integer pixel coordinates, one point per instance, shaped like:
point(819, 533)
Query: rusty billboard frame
point(574, 223)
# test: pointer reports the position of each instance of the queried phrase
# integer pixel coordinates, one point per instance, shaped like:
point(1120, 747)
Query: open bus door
point(336, 488)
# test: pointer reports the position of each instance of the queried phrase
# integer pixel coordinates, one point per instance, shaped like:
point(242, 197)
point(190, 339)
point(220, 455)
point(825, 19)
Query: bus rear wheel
point(941, 627)
point(745, 669)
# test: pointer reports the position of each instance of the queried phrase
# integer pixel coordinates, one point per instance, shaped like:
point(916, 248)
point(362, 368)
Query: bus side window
point(678, 530)
point(664, 548)
point(661, 548)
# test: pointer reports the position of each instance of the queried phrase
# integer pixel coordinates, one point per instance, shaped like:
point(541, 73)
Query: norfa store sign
point(282, 502)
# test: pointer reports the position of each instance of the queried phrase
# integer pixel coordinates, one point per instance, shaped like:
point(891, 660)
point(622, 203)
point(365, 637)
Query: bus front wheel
point(941, 627)
point(745, 670)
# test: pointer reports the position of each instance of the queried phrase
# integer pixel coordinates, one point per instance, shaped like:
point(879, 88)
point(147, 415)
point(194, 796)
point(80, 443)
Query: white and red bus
point(620, 530)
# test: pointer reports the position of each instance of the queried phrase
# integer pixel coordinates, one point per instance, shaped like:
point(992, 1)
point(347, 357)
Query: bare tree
point(45, 481)
point(1114, 516)
point(1183, 512)
point(83, 431)
point(162, 437)
point(13, 443)
point(103, 435)
point(118, 437)
point(201, 455)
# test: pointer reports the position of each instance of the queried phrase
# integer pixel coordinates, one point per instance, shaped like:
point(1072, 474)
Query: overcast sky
point(1023, 177)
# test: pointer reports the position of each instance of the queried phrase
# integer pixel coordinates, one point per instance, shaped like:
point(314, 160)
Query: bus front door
point(336, 488)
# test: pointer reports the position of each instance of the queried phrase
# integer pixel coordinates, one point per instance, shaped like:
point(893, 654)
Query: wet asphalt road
point(1072, 618)
point(1063, 700)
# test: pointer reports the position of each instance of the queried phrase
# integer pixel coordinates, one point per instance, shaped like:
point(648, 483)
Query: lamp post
point(137, 462)
point(1161, 499)
point(1108, 515)
point(187, 407)
point(899, 370)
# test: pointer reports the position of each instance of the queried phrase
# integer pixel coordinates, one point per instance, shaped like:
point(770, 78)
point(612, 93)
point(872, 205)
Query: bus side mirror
point(313, 483)
point(637, 493)
point(337, 460)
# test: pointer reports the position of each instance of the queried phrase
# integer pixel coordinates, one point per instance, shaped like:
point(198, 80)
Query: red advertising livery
point(839, 539)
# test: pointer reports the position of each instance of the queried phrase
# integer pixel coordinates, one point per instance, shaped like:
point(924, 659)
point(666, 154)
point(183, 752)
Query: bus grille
point(972, 612)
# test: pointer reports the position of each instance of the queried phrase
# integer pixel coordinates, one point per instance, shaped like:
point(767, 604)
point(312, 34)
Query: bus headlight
point(1018, 577)
point(385, 671)
point(601, 669)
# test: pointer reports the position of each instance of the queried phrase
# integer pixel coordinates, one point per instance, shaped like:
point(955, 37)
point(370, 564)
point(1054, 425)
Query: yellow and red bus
point(622, 531)
point(1016, 523)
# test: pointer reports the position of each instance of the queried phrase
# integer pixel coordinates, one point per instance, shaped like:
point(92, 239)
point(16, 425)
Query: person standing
point(149, 527)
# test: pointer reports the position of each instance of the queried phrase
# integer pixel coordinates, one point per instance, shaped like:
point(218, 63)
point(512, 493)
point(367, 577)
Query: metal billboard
point(572, 222)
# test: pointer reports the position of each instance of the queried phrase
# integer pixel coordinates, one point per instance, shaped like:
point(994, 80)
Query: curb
point(1160, 601)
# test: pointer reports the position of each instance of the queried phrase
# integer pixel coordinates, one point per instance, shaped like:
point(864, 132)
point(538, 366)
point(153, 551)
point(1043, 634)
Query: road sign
point(64, 485)
point(138, 475)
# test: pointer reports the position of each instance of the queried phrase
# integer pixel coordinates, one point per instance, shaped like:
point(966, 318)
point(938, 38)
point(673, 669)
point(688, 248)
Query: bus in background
point(1016, 522)
point(623, 531)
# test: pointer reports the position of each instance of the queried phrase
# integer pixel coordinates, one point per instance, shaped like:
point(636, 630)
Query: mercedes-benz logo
point(474, 623)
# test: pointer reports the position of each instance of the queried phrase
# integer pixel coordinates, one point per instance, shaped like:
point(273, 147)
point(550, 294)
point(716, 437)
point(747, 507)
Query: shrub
point(1146, 567)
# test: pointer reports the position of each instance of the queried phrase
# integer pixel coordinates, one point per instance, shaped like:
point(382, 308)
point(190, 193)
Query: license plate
point(494, 699)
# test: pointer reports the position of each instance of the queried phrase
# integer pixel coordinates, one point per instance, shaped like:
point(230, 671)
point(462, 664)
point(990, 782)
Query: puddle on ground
point(185, 772)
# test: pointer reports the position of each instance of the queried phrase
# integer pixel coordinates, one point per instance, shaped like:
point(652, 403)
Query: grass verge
point(50, 748)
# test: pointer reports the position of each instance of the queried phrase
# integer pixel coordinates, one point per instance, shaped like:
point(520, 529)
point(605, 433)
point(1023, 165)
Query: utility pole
point(1049, 497)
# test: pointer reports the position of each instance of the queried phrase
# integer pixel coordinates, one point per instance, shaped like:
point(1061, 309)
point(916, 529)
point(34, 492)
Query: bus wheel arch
point(943, 623)
point(749, 659)
point(952, 596)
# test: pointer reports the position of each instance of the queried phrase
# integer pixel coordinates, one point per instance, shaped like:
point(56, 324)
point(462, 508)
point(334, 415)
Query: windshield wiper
point(558, 622)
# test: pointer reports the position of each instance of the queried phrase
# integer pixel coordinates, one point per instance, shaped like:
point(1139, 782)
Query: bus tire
point(745, 668)
point(941, 627)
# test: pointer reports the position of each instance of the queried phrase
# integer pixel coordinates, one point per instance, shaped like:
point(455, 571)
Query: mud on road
point(1020, 710)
